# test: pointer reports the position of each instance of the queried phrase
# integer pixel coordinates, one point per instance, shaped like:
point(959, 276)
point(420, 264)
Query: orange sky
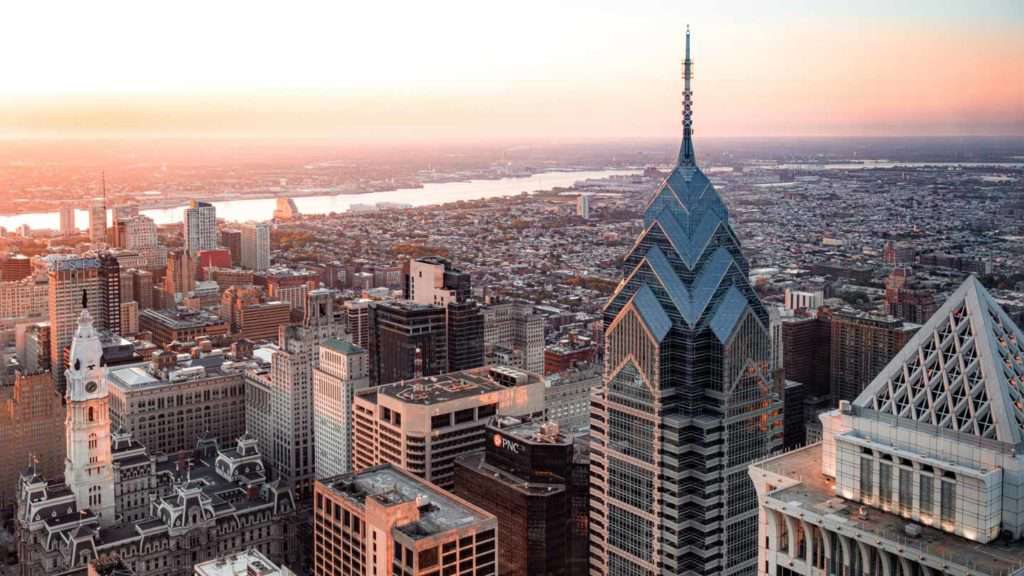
point(464, 70)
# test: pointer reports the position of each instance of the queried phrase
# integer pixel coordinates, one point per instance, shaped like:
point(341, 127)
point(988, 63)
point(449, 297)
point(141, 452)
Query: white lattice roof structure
point(962, 371)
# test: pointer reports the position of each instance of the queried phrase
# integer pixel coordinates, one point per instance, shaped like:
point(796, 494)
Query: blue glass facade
point(688, 401)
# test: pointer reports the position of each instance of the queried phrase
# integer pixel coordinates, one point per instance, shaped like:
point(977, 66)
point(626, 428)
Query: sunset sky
point(453, 70)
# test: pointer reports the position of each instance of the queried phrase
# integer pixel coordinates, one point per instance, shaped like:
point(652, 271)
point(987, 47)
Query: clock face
point(91, 386)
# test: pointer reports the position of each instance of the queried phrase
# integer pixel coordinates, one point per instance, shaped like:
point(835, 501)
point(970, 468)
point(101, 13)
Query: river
point(260, 209)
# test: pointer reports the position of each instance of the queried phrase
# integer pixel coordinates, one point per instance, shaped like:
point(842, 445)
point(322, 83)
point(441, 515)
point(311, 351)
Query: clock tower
point(88, 469)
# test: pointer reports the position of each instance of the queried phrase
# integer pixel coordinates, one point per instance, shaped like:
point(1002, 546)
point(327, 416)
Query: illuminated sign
point(506, 444)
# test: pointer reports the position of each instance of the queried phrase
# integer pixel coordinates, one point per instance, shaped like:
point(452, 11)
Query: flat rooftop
point(430, 390)
point(251, 562)
point(816, 494)
point(439, 510)
point(535, 431)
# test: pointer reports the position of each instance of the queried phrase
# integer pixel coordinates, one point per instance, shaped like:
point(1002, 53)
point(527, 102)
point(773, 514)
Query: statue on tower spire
point(686, 150)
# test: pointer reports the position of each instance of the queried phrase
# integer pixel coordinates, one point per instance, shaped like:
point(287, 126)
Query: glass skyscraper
point(688, 401)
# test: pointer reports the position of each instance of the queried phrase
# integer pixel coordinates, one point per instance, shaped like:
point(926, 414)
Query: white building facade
point(921, 474)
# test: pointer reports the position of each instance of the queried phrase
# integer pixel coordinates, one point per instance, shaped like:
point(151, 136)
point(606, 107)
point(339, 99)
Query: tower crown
point(84, 374)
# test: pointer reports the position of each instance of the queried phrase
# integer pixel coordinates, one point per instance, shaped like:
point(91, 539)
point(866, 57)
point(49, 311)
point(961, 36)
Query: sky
point(494, 71)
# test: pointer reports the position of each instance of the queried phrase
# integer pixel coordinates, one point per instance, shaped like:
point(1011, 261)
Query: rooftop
point(342, 346)
point(816, 495)
point(248, 563)
point(430, 390)
point(439, 510)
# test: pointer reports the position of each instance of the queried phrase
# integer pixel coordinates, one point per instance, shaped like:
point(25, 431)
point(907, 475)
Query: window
point(440, 421)
point(92, 416)
point(867, 473)
point(906, 490)
point(927, 494)
point(948, 502)
point(885, 482)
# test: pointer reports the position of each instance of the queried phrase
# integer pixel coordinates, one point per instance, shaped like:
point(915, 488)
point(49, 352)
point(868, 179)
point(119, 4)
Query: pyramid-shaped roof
point(962, 371)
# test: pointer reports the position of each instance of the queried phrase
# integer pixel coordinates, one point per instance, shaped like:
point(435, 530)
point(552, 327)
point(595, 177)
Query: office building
point(142, 288)
point(231, 239)
point(74, 283)
point(255, 247)
point(98, 223)
point(862, 344)
point(434, 281)
point(357, 317)
point(518, 329)
point(168, 403)
point(422, 425)
point(181, 325)
point(807, 347)
point(110, 293)
point(288, 285)
point(279, 399)
point(250, 317)
point(898, 253)
point(199, 227)
point(383, 520)
point(569, 353)
point(921, 473)
point(15, 267)
point(344, 369)
point(26, 298)
point(688, 401)
point(465, 335)
point(804, 299)
point(525, 478)
point(407, 340)
point(67, 220)
point(129, 319)
point(31, 425)
point(583, 206)
point(905, 299)
point(180, 278)
point(567, 396)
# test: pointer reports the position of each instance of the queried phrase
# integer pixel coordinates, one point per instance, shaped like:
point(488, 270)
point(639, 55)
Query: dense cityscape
point(774, 357)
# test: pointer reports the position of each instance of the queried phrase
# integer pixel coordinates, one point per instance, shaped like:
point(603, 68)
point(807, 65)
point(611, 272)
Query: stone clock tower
point(88, 470)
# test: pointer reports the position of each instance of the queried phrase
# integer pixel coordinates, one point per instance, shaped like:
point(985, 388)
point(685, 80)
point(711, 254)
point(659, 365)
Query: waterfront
point(259, 209)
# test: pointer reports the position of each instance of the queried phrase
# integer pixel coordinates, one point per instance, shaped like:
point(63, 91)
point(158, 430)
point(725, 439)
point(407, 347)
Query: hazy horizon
point(466, 72)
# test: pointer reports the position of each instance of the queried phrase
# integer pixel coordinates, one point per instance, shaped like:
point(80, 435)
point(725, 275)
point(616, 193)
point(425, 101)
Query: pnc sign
point(506, 444)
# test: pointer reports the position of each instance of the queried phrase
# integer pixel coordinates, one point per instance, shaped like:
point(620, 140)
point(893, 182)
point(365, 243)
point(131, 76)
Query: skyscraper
point(407, 340)
point(434, 281)
point(688, 401)
point(862, 344)
point(344, 369)
point(255, 249)
point(110, 293)
point(232, 240)
point(200, 227)
point(97, 223)
point(67, 220)
point(71, 280)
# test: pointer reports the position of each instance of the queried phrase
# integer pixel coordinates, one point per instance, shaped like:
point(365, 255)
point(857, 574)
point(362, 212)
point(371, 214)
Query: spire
point(686, 150)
